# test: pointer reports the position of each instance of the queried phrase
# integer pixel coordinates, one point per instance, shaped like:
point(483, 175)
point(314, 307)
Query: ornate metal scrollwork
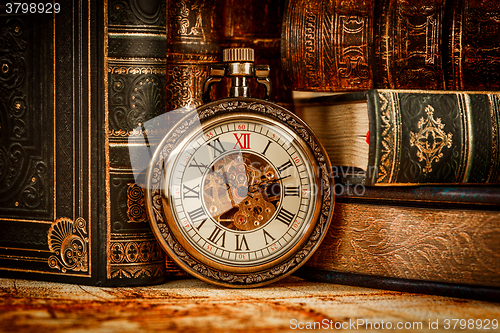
point(69, 242)
point(430, 140)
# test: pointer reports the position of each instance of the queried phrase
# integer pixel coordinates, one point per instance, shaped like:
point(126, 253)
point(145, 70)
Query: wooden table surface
point(194, 306)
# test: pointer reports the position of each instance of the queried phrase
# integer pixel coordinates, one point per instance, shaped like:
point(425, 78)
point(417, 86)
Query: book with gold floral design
point(409, 137)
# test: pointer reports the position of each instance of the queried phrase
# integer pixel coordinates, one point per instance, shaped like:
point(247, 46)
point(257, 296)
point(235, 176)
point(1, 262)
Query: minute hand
point(255, 187)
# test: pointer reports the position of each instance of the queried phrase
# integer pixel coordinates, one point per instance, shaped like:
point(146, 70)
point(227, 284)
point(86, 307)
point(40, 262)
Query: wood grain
point(194, 306)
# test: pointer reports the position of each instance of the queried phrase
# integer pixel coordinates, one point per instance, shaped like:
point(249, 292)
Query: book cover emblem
point(430, 140)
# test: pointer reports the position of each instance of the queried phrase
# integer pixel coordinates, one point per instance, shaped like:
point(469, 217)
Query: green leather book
point(409, 137)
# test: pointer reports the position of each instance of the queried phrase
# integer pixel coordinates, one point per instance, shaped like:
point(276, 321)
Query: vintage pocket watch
point(239, 192)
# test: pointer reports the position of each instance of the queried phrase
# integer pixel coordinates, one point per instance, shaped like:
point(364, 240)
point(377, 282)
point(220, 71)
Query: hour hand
point(263, 184)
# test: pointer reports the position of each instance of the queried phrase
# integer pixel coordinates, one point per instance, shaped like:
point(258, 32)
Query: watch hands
point(223, 175)
point(251, 189)
point(264, 183)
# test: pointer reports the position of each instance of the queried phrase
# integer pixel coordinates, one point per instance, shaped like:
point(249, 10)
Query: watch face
point(239, 198)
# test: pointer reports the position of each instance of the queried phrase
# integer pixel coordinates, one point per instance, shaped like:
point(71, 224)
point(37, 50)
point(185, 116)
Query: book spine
point(409, 45)
point(401, 285)
point(433, 137)
point(390, 44)
point(194, 37)
point(327, 45)
point(474, 45)
point(135, 81)
point(440, 245)
point(257, 25)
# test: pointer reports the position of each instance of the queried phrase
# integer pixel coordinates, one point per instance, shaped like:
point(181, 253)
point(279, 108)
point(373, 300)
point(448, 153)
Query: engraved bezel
point(168, 169)
point(166, 229)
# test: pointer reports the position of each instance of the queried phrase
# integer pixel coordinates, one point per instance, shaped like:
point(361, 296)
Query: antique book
point(257, 25)
point(74, 87)
point(194, 37)
point(194, 43)
point(362, 44)
point(422, 239)
point(408, 137)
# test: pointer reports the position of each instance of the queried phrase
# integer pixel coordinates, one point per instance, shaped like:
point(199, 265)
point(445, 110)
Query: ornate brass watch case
point(239, 192)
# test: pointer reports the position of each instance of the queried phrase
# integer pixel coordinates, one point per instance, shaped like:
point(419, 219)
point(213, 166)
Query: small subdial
point(241, 191)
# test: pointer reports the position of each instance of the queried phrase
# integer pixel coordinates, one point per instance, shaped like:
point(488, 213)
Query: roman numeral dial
point(240, 193)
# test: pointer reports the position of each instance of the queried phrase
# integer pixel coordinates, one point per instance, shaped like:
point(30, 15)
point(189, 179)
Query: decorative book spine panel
point(194, 36)
point(433, 138)
point(409, 44)
point(357, 45)
point(136, 80)
point(327, 45)
point(440, 245)
point(257, 25)
point(474, 45)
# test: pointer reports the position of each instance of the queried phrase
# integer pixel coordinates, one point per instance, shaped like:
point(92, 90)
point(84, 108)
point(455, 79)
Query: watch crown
point(239, 66)
point(238, 55)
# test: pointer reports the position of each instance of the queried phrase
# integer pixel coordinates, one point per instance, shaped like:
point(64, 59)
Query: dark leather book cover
point(364, 44)
point(73, 87)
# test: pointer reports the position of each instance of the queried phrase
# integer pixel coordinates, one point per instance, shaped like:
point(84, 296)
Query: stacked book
point(80, 91)
point(411, 123)
point(75, 98)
